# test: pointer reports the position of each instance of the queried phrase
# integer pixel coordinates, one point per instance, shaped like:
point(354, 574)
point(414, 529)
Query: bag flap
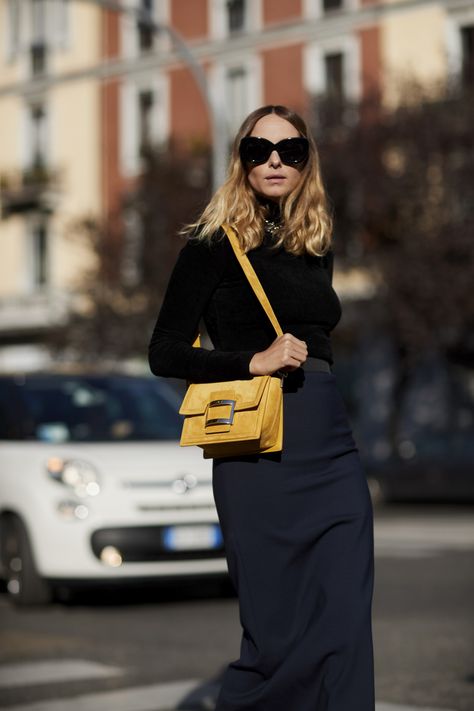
point(246, 393)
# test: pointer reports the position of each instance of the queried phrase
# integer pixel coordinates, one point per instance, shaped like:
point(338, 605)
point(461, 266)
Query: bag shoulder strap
point(253, 280)
point(252, 277)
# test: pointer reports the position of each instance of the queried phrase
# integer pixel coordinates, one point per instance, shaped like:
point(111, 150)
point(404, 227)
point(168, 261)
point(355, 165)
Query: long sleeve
point(193, 280)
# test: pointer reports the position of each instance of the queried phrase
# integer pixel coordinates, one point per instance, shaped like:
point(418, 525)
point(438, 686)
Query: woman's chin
point(274, 193)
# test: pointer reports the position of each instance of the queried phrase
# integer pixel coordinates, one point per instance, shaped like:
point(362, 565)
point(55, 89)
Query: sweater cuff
point(244, 362)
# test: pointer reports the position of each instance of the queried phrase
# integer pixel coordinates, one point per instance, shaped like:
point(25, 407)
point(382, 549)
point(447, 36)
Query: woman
point(297, 524)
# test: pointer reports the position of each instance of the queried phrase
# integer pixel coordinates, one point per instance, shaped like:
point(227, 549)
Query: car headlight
point(80, 476)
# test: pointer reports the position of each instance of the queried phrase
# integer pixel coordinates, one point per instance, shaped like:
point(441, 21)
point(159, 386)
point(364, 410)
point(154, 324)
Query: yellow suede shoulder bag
point(236, 417)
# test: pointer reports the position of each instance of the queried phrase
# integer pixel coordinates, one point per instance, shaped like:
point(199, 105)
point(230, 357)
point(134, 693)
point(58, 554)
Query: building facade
point(83, 90)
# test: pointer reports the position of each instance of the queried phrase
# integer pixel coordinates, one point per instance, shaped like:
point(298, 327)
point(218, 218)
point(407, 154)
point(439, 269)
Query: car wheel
point(23, 583)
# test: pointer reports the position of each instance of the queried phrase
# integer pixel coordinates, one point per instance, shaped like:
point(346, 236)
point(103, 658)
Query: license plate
point(178, 538)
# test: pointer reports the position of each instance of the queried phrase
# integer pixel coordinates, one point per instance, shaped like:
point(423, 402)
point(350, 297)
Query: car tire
point(23, 583)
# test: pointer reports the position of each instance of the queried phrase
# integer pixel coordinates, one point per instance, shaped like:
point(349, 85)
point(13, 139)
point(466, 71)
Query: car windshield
point(88, 409)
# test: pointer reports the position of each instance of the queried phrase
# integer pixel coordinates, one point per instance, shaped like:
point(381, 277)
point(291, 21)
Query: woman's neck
point(271, 208)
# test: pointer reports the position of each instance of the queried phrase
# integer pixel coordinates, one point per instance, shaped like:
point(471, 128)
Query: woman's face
point(274, 179)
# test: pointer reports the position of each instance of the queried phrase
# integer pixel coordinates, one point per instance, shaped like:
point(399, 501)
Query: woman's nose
point(274, 158)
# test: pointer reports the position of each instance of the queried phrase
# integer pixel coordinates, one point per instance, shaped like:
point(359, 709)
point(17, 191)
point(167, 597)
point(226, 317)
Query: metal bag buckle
point(221, 420)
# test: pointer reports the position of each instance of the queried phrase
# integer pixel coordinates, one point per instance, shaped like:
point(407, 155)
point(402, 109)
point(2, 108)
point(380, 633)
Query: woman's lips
point(272, 178)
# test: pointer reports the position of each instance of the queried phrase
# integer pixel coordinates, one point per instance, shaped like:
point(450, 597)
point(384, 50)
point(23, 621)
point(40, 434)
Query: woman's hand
point(285, 353)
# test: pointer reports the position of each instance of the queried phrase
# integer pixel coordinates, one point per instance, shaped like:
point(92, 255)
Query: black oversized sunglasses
point(255, 151)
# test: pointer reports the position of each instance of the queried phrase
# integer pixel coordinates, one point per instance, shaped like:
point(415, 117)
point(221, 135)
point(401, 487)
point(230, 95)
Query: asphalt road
point(156, 650)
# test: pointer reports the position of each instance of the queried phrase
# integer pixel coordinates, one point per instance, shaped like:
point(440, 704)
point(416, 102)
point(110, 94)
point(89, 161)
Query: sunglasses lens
point(293, 151)
point(255, 150)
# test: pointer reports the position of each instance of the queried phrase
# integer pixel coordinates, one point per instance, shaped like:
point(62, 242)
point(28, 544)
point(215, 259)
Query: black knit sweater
point(207, 281)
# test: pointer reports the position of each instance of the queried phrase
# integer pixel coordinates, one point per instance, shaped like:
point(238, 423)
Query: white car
point(95, 487)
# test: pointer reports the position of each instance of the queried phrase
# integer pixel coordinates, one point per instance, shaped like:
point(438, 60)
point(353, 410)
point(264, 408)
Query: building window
point(37, 136)
point(38, 59)
point(40, 254)
point(331, 104)
point(38, 48)
point(144, 125)
point(146, 101)
point(145, 32)
point(334, 76)
point(329, 5)
point(235, 15)
point(467, 48)
point(36, 26)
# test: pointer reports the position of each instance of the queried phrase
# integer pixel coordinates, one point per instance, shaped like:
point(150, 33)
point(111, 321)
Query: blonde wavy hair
point(306, 221)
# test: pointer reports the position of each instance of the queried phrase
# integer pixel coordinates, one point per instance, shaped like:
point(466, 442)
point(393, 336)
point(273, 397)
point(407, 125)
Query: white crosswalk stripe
point(414, 537)
point(152, 697)
point(45, 672)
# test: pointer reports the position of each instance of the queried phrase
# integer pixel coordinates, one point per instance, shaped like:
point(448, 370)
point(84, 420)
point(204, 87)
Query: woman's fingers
point(291, 348)
point(285, 353)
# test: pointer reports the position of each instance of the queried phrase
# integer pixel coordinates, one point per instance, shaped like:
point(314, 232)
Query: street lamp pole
point(218, 126)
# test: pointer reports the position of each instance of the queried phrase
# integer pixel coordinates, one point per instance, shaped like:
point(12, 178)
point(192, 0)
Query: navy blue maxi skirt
point(298, 534)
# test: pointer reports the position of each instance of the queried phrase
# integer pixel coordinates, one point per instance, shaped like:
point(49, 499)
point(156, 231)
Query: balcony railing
point(33, 312)
point(33, 189)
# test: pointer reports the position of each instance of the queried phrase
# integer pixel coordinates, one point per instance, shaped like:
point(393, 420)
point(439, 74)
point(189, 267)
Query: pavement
point(408, 536)
point(184, 695)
